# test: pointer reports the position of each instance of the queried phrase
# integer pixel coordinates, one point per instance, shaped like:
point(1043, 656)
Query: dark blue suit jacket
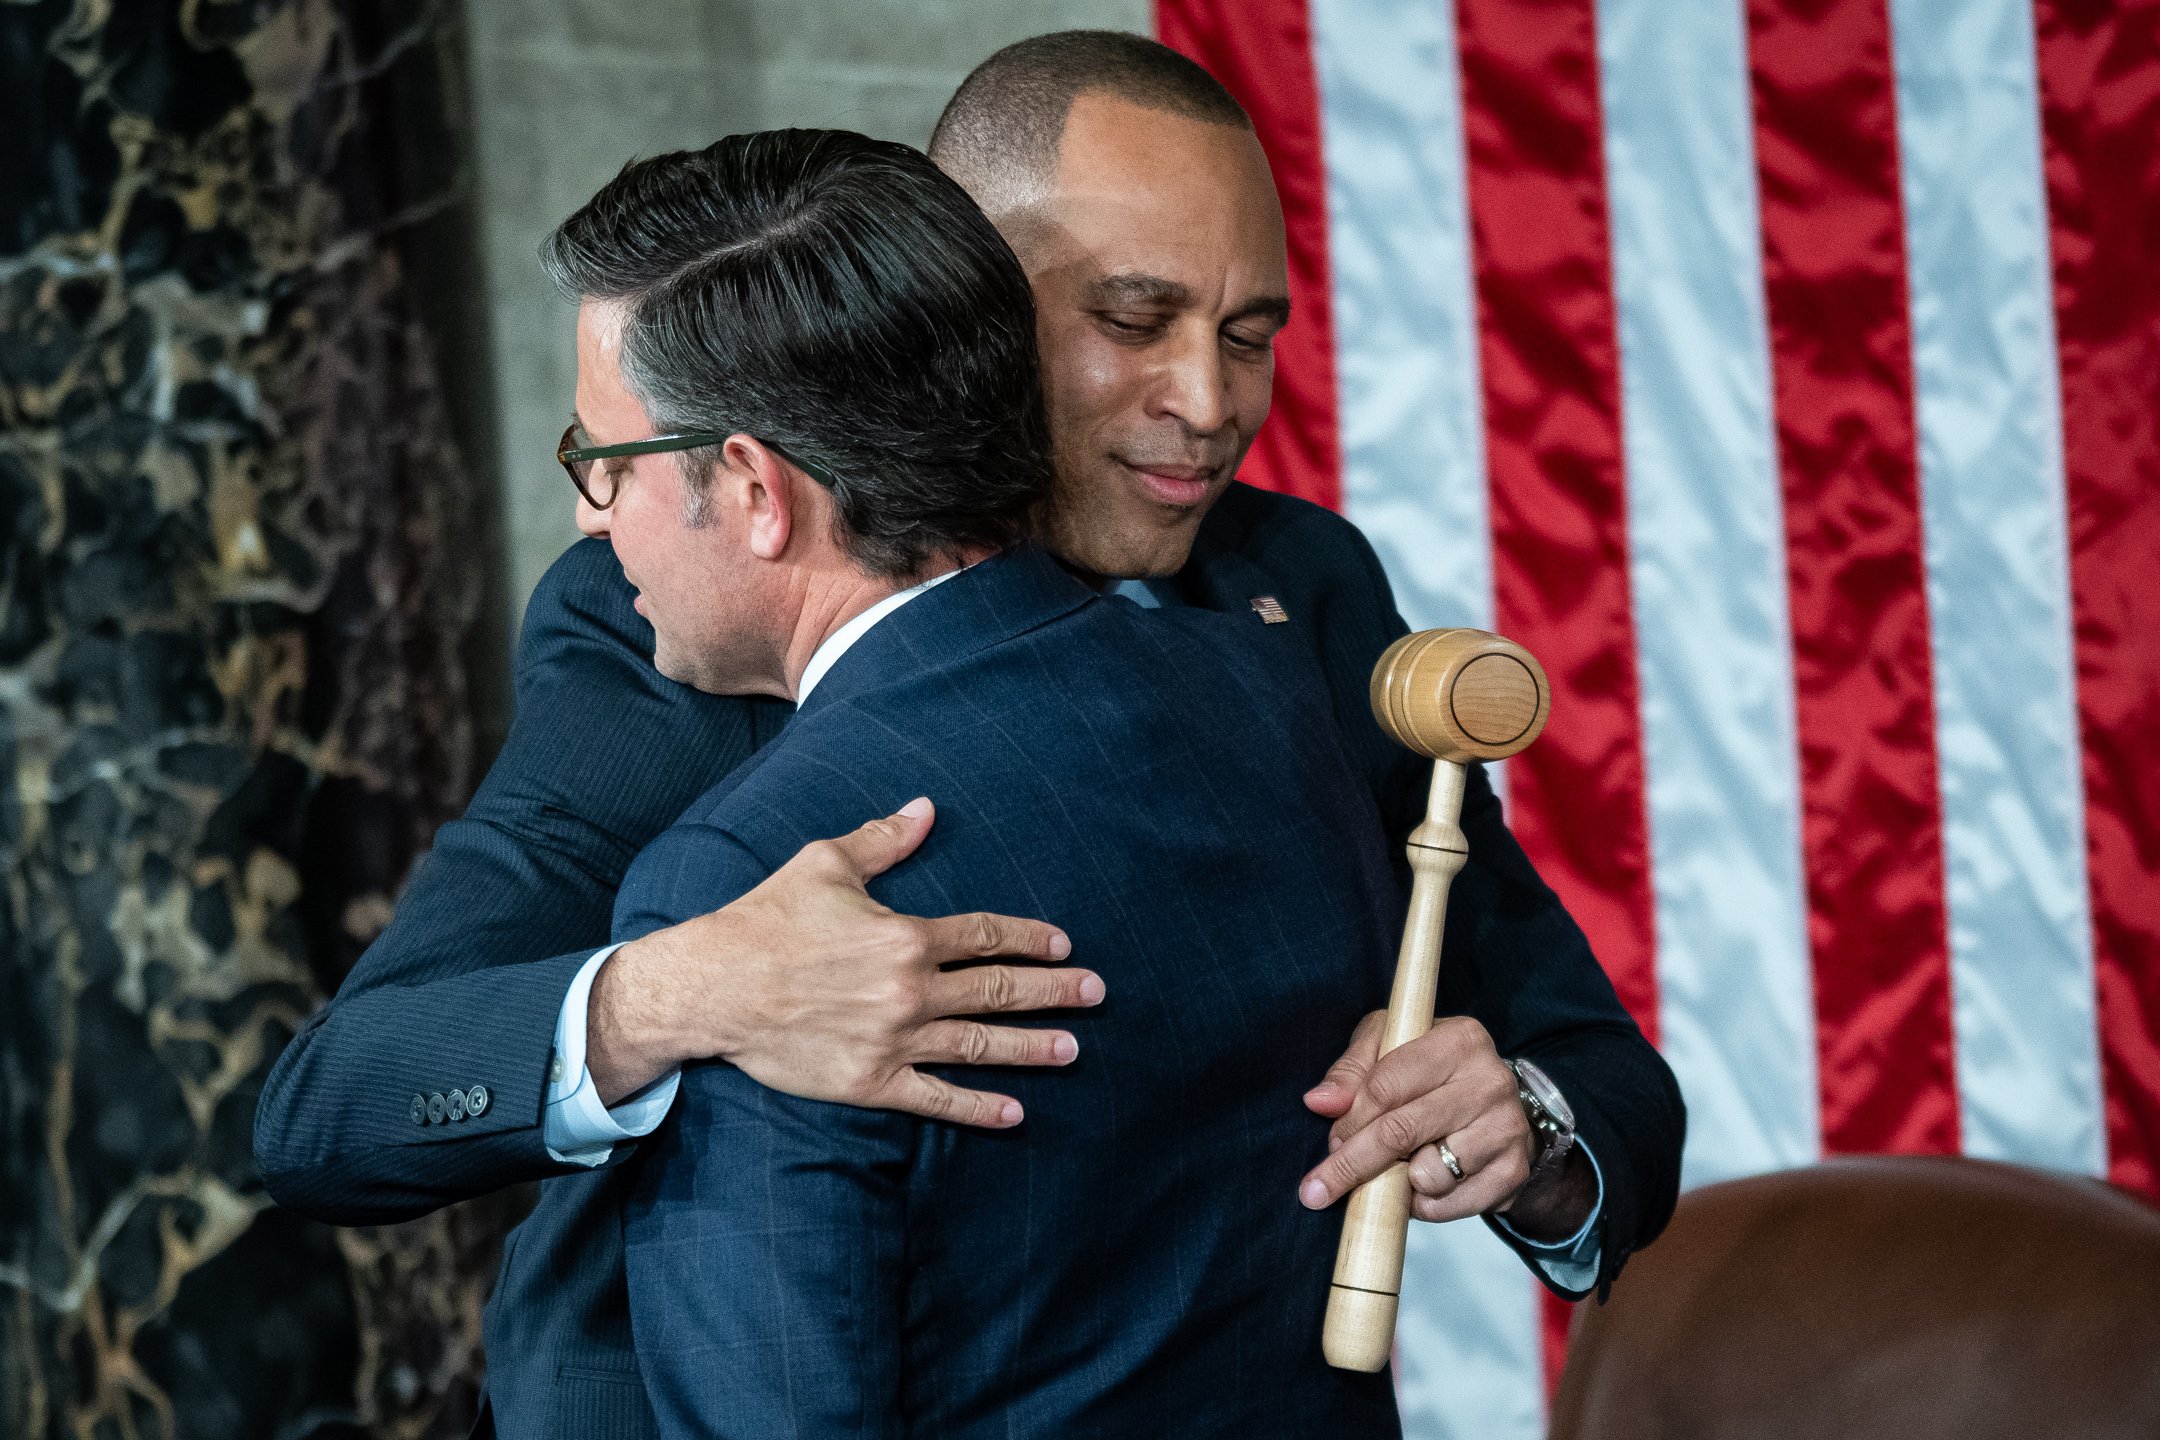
point(1170, 786)
point(452, 994)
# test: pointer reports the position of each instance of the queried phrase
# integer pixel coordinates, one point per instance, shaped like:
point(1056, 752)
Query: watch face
point(1547, 1094)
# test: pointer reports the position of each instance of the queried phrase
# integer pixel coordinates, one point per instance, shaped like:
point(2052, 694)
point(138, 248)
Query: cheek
point(1086, 376)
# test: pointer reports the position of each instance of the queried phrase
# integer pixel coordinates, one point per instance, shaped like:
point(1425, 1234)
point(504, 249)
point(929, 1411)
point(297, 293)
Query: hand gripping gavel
point(1458, 696)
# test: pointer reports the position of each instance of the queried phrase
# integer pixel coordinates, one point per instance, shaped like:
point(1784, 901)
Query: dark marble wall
point(236, 570)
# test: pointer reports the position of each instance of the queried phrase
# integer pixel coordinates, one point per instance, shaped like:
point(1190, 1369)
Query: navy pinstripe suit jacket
point(605, 754)
point(1167, 784)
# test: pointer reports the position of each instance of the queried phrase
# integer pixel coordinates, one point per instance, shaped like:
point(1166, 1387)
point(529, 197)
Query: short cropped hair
point(1000, 132)
point(838, 297)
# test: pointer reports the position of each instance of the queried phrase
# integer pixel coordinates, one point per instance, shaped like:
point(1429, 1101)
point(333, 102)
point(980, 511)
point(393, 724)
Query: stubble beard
point(1105, 537)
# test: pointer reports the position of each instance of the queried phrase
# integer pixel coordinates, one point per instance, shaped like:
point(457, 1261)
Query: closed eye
point(1132, 327)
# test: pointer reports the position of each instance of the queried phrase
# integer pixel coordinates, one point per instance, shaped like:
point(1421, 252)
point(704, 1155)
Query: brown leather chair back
point(1907, 1298)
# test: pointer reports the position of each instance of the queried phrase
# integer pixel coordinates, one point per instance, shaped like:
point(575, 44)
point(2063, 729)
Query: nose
point(593, 523)
point(1193, 386)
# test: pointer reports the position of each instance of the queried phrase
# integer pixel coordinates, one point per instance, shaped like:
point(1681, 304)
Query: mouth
point(1180, 485)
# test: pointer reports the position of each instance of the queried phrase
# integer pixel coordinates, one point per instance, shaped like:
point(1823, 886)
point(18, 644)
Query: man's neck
point(832, 599)
point(829, 602)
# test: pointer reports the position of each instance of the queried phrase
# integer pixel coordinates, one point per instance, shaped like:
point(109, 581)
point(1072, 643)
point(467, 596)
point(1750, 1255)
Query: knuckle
point(995, 988)
point(900, 996)
point(1384, 1087)
point(983, 934)
point(1350, 1070)
point(1398, 1132)
point(974, 1043)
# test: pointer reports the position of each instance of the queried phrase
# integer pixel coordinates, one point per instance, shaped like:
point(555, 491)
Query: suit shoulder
point(1264, 526)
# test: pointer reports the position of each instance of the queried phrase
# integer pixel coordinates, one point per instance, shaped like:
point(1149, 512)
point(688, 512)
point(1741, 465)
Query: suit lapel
point(1219, 577)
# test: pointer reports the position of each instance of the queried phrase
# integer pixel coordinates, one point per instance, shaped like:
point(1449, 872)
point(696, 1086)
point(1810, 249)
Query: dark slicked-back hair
point(838, 297)
point(1003, 124)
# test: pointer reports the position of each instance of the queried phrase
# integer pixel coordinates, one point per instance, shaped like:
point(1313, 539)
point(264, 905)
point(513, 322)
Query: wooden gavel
point(1458, 696)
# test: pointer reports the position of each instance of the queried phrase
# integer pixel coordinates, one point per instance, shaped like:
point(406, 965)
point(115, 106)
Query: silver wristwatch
point(1551, 1118)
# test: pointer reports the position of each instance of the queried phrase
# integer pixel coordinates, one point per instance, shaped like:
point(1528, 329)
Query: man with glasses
point(1131, 188)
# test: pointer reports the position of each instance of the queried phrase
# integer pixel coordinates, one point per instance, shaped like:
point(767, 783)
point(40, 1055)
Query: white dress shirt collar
point(836, 644)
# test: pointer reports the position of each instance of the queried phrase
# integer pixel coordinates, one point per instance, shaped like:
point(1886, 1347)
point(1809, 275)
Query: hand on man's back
point(813, 988)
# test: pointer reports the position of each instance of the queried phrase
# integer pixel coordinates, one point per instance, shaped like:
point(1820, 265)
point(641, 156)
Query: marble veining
point(231, 707)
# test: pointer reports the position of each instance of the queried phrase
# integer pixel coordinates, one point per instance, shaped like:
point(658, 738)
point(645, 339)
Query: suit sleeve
point(461, 992)
point(1518, 963)
point(765, 1237)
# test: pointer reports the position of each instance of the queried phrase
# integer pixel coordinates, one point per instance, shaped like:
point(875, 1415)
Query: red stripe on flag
point(1262, 51)
point(1552, 420)
point(1556, 1320)
point(1841, 351)
point(2100, 112)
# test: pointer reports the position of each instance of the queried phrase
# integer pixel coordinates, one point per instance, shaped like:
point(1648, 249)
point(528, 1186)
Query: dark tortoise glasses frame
point(577, 460)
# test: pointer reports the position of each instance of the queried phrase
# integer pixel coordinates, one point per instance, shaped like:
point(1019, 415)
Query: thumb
point(877, 845)
point(1346, 1077)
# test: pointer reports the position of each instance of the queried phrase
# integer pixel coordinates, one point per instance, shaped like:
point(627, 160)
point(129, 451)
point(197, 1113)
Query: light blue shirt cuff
point(578, 1129)
point(1571, 1264)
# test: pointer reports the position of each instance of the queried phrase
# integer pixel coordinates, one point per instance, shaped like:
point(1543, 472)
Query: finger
point(1391, 1137)
point(1339, 1087)
point(1494, 1168)
point(1001, 989)
point(1429, 1175)
point(981, 935)
point(876, 846)
point(1420, 1067)
point(915, 1093)
point(1491, 1144)
point(970, 1042)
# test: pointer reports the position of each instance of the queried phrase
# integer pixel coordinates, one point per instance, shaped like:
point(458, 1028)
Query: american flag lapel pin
point(1269, 609)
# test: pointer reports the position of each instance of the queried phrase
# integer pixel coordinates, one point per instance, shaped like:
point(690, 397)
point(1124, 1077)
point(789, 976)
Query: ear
point(766, 487)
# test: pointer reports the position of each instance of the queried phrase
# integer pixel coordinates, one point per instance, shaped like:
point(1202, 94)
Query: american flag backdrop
point(1786, 375)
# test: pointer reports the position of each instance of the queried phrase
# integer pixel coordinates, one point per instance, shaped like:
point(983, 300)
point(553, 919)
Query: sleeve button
point(457, 1104)
point(476, 1100)
point(419, 1110)
point(437, 1107)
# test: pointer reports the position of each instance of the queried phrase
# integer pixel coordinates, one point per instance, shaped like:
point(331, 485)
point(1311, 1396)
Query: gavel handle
point(1360, 1329)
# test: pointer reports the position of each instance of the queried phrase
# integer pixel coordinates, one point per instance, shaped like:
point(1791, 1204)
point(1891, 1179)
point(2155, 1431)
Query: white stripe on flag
point(1467, 1363)
point(1411, 417)
point(1991, 475)
point(1406, 358)
point(1706, 530)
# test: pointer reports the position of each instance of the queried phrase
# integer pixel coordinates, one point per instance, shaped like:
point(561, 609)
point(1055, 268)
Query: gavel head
point(1460, 695)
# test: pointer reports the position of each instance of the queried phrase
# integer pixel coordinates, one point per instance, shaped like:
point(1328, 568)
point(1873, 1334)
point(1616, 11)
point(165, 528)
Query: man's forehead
point(1111, 146)
point(1144, 193)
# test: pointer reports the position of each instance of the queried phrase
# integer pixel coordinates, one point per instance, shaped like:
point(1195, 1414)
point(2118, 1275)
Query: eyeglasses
point(577, 460)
